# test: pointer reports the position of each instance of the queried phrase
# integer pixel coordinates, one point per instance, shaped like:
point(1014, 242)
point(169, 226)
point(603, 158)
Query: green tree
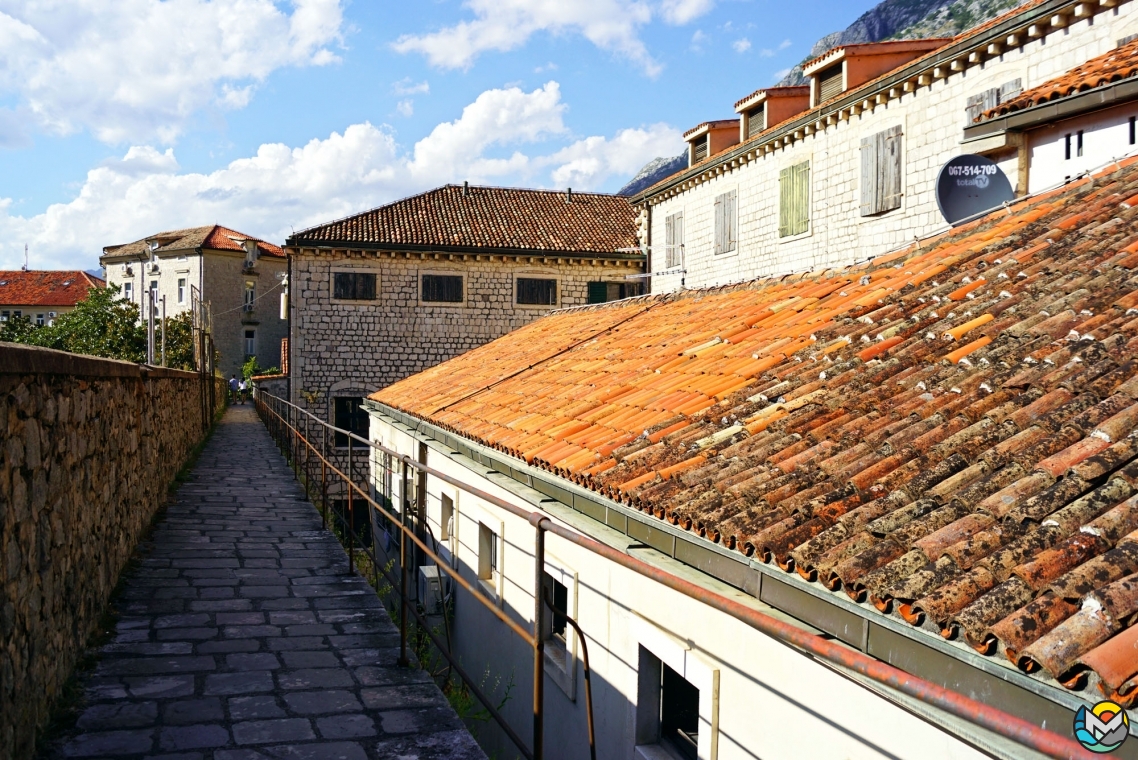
point(251, 369)
point(180, 341)
point(18, 330)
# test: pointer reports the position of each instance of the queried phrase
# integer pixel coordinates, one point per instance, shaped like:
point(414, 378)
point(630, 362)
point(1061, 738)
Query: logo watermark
point(1102, 728)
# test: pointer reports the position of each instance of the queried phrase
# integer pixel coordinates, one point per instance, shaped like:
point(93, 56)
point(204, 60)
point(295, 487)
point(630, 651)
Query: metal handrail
point(991, 718)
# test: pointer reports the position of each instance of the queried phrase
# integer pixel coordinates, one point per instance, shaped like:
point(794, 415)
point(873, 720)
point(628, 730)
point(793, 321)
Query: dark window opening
point(442, 288)
point(351, 415)
point(1079, 142)
point(358, 517)
point(699, 149)
point(487, 553)
point(831, 83)
point(679, 713)
point(353, 286)
point(534, 291)
point(446, 517)
point(1067, 147)
point(1133, 119)
point(556, 593)
point(602, 292)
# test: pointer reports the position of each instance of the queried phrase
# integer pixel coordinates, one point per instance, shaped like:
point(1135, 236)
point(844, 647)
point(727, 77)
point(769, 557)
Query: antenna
point(25, 257)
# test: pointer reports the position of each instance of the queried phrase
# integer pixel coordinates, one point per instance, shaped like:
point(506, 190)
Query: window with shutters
point(442, 288)
point(830, 83)
point(794, 200)
point(602, 292)
point(539, 292)
point(978, 104)
point(756, 120)
point(353, 286)
point(725, 222)
point(699, 149)
point(673, 240)
point(881, 175)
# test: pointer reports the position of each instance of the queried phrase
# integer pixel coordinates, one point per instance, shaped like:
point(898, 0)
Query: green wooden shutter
point(598, 292)
point(783, 202)
point(794, 200)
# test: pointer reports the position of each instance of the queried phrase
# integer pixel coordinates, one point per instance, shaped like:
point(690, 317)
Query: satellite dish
point(970, 185)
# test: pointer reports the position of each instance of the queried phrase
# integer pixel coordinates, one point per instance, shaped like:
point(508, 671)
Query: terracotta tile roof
point(948, 434)
point(976, 31)
point(800, 89)
point(454, 217)
point(882, 48)
point(1120, 63)
point(709, 125)
point(46, 287)
point(213, 236)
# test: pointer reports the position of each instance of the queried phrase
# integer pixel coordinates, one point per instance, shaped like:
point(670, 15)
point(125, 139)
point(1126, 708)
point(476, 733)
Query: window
point(725, 222)
point(17, 314)
point(128, 291)
point(5, 315)
point(555, 592)
point(830, 83)
point(487, 553)
point(756, 120)
point(250, 343)
point(673, 240)
point(1079, 143)
point(446, 518)
point(442, 288)
point(154, 297)
point(700, 149)
point(602, 292)
point(1133, 120)
point(535, 291)
point(353, 286)
point(667, 708)
point(250, 294)
point(1067, 146)
point(181, 290)
point(39, 320)
point(794, 200)
point(978, 104)
point(351, 416)
point(881, 172)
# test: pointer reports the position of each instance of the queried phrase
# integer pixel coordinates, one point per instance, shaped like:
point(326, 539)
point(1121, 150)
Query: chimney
point(465, 188)
point(569, 195)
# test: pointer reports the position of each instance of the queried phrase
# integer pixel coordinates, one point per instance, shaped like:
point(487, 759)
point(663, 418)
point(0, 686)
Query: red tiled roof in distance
point(214, 237)
point(1114, 66)
point(496, 218)
point(46, 287)
point(962, 456)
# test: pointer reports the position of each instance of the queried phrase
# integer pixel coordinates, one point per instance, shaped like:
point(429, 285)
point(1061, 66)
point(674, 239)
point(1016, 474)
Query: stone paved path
point(243, 636)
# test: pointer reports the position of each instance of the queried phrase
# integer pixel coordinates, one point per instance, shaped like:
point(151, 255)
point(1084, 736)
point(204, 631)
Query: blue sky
point(119, 119)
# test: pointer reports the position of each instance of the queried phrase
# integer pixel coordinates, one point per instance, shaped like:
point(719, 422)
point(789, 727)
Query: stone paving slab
point(242, 635)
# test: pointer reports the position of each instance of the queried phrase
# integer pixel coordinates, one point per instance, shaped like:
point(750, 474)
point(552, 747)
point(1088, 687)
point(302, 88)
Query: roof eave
point(1097, 99)
point(348, 245)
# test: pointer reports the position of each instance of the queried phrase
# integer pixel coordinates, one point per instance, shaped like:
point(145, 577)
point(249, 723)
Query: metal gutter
point(353, 245)
point(865, 92)
point(1064, 108)
point(916, 651)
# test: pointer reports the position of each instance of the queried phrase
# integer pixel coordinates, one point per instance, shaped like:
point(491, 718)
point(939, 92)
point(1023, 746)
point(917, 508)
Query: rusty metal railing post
point(538, 637)
point(403, 660)
point(307, 480)
point(351, 516)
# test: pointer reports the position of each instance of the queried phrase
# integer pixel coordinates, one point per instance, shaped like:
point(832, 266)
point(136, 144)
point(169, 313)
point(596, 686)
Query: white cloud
point(771, 53)
point(784, 45)
point(503, 25)
point(741, 45)
point(408, 86)
point(281, 188)
point(136, 70)
point(405, 107)
point(698, 38)
point(780, 74)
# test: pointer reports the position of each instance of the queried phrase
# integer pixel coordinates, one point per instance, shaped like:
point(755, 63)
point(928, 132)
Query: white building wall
point(933, 119)
point(1106, 136)
point(773, 703)
point(170, 269)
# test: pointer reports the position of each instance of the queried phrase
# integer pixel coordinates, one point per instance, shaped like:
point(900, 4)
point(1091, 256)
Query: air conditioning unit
point(431, 590)
point(247, 308)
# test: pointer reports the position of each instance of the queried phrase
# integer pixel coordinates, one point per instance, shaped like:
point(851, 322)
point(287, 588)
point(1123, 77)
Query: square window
point(352, 416)
point(442, 288)
point(536, 292)
point(353, 286)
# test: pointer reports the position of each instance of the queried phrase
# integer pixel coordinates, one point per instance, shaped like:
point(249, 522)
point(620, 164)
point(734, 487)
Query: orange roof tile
point(46, 287)
point(966, 465)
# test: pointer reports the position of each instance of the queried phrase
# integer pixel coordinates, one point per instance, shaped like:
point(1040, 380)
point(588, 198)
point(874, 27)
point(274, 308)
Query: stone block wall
point(89, 449)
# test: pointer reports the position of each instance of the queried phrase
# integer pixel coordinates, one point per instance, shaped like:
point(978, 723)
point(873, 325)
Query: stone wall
point(932, 119)
point(89, 449)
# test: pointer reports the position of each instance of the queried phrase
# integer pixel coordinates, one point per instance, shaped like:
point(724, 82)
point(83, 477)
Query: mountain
point(654, 171)
point(888, 20)
point(907, 20)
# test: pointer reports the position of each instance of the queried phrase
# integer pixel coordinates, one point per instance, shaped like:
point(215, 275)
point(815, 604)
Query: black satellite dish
point(970, 185)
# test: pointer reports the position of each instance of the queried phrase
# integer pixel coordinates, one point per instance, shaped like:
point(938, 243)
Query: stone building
point(390, 292)
point(42, 295)
point(846, 169)
point(241, 278)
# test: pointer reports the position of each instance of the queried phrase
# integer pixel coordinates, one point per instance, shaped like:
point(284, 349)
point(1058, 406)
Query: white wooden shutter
point(730, 212)
point(891, 181)
point(669, 239)
point(868, 175)
point(678, 235)
point(719, 224)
